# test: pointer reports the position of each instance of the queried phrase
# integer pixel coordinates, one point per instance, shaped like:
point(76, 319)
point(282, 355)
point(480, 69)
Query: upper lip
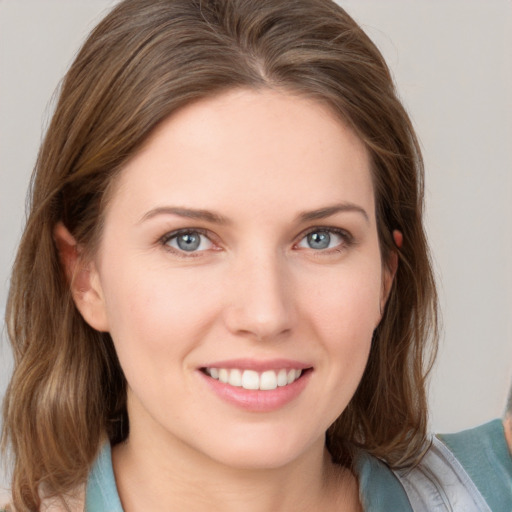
point(259, 365)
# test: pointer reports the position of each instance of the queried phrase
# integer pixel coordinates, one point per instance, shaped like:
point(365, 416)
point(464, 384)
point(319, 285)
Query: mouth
point(253, 380)
point(257, 386)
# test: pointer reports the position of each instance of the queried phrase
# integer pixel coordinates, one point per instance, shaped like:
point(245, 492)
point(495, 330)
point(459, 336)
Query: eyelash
point(347, 240)
point(346, 237)
point(164, 241)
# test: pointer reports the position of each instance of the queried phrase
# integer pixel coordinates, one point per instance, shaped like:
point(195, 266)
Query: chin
point(252, 450)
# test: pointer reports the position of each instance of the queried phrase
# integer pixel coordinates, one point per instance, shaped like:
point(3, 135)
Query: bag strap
point(439, 483)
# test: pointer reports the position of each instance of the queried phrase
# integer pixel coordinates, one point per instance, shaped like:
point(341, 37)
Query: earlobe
point(82, 277)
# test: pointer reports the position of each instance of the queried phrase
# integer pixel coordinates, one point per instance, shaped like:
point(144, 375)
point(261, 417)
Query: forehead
point(261, 148)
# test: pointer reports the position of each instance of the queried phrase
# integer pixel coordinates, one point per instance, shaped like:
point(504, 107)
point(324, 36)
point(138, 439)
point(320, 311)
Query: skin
point(507, 426)
point(255, 290)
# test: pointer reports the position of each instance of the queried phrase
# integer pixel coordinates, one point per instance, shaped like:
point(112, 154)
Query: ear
point(83, 279)
point(390, 268)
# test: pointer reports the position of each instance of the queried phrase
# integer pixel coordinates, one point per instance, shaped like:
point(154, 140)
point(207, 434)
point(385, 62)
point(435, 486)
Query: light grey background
point(452, 62)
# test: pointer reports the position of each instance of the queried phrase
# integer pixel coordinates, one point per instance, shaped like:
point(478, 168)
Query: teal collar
point(101, 494)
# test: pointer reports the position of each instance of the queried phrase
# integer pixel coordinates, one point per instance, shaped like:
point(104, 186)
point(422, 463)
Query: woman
point(223, 295)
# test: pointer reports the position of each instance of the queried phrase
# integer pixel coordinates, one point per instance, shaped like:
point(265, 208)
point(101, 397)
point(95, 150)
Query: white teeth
point(268, 380)
point(282, 378)
point(235, 378)
point(223, 375)
point(252, 380)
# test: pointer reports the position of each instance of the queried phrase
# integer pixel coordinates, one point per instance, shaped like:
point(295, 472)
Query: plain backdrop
point(452, 61)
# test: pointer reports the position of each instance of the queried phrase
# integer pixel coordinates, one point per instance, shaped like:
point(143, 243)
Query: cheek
point(343, 316)
point(345, 302)
point(156, 314)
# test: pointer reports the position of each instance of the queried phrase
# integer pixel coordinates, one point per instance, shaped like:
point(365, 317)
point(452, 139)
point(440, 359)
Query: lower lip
point(257, 400)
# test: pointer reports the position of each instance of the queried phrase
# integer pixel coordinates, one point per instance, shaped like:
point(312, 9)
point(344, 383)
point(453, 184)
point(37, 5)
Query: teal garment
point(379, 488)
point(482, 452)
point(101, 494)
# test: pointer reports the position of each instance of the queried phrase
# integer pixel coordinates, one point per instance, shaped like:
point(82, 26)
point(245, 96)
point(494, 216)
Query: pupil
point(319, 240)
point(189, 241)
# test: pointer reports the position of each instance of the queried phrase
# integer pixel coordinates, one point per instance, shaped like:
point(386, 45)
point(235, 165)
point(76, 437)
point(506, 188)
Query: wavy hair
point(145, 60)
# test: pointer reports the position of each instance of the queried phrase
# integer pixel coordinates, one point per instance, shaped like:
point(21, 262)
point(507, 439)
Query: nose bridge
point(261, 302)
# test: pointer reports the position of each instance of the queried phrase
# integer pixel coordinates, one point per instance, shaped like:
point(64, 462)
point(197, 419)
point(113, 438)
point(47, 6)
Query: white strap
point(439, 483)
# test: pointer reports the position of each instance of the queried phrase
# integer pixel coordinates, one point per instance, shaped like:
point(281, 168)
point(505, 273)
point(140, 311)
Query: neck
point(155, 475)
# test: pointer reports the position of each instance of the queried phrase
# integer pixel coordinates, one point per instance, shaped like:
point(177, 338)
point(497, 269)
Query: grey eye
point(319, 240)
point(322, 239)
point(189, 241)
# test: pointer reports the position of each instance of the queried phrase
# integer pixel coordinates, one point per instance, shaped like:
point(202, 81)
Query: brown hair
point(145, 60)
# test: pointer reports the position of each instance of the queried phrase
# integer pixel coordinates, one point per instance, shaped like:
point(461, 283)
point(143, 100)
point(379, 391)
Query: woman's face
point(240, 277)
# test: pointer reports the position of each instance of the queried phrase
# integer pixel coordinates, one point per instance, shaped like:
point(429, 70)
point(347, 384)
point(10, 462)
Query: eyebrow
point(328, 211)
point(215, 218)
point(188, 213)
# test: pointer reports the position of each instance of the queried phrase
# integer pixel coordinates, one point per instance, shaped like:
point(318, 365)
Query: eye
point(188, 241)
point(321, 239)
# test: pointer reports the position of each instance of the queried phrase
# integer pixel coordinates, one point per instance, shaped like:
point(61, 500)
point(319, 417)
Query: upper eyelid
point(215, 239)
point(346, 236)
point(330, 229)
point(164, 240)
point(176, 232)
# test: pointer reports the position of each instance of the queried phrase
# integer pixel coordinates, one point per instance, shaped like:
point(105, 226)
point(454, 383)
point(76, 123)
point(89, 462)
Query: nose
point(260, 299)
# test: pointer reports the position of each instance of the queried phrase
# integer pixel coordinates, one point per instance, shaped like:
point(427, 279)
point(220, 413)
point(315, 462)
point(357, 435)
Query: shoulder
point(470, 470)
point(484, 455)
point(379, 488)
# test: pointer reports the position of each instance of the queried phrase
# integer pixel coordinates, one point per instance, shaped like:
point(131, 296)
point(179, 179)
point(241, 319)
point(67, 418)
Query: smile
point(253, 380)
point(257, 386)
